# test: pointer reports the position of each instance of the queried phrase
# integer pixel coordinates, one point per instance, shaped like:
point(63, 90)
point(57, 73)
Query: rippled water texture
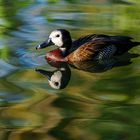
point(101, 105)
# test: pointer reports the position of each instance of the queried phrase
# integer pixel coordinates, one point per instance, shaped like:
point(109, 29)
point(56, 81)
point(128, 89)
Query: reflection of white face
point(55, 80)
point(56, 38)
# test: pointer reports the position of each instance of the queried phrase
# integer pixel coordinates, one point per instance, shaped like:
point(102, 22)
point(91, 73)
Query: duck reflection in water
point(59, 78)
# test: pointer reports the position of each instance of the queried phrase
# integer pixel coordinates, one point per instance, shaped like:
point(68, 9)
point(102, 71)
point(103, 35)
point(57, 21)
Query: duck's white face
point(55, 80)
point(56, 38)
point(60, 38)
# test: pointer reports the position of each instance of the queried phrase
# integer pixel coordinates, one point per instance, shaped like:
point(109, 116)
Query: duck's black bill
point(47, 74)
point(45, 44)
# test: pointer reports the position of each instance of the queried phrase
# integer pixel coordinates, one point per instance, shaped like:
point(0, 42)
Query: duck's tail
point(134, 44)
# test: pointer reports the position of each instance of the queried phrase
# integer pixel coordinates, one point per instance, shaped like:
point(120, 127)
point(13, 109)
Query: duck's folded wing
point(88, 50)
point(102, 46)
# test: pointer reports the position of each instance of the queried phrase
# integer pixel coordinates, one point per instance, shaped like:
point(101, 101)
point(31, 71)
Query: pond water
point(100, 105)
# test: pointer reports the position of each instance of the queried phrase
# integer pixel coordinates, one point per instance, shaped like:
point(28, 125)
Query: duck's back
point(101, 46)
point(86, 39)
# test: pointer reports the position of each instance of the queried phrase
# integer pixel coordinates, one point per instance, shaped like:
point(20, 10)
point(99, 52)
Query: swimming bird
point(90, 47)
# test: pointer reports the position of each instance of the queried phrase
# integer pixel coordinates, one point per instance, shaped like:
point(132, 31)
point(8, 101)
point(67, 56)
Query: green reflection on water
point(93, 106)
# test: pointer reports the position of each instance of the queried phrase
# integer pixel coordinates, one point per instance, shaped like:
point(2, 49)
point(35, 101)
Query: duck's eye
point(56, 83)
point(57, 35)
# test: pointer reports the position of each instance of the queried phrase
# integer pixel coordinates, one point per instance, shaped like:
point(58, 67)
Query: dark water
point(93, 106)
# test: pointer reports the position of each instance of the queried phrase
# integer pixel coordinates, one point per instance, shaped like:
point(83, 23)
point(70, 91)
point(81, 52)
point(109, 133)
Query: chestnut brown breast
point(55, 55)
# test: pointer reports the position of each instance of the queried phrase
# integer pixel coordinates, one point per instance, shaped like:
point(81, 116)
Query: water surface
point(93, 106)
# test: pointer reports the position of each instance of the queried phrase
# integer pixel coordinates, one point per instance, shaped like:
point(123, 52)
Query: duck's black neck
point(65, 50)
point(66, 47)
